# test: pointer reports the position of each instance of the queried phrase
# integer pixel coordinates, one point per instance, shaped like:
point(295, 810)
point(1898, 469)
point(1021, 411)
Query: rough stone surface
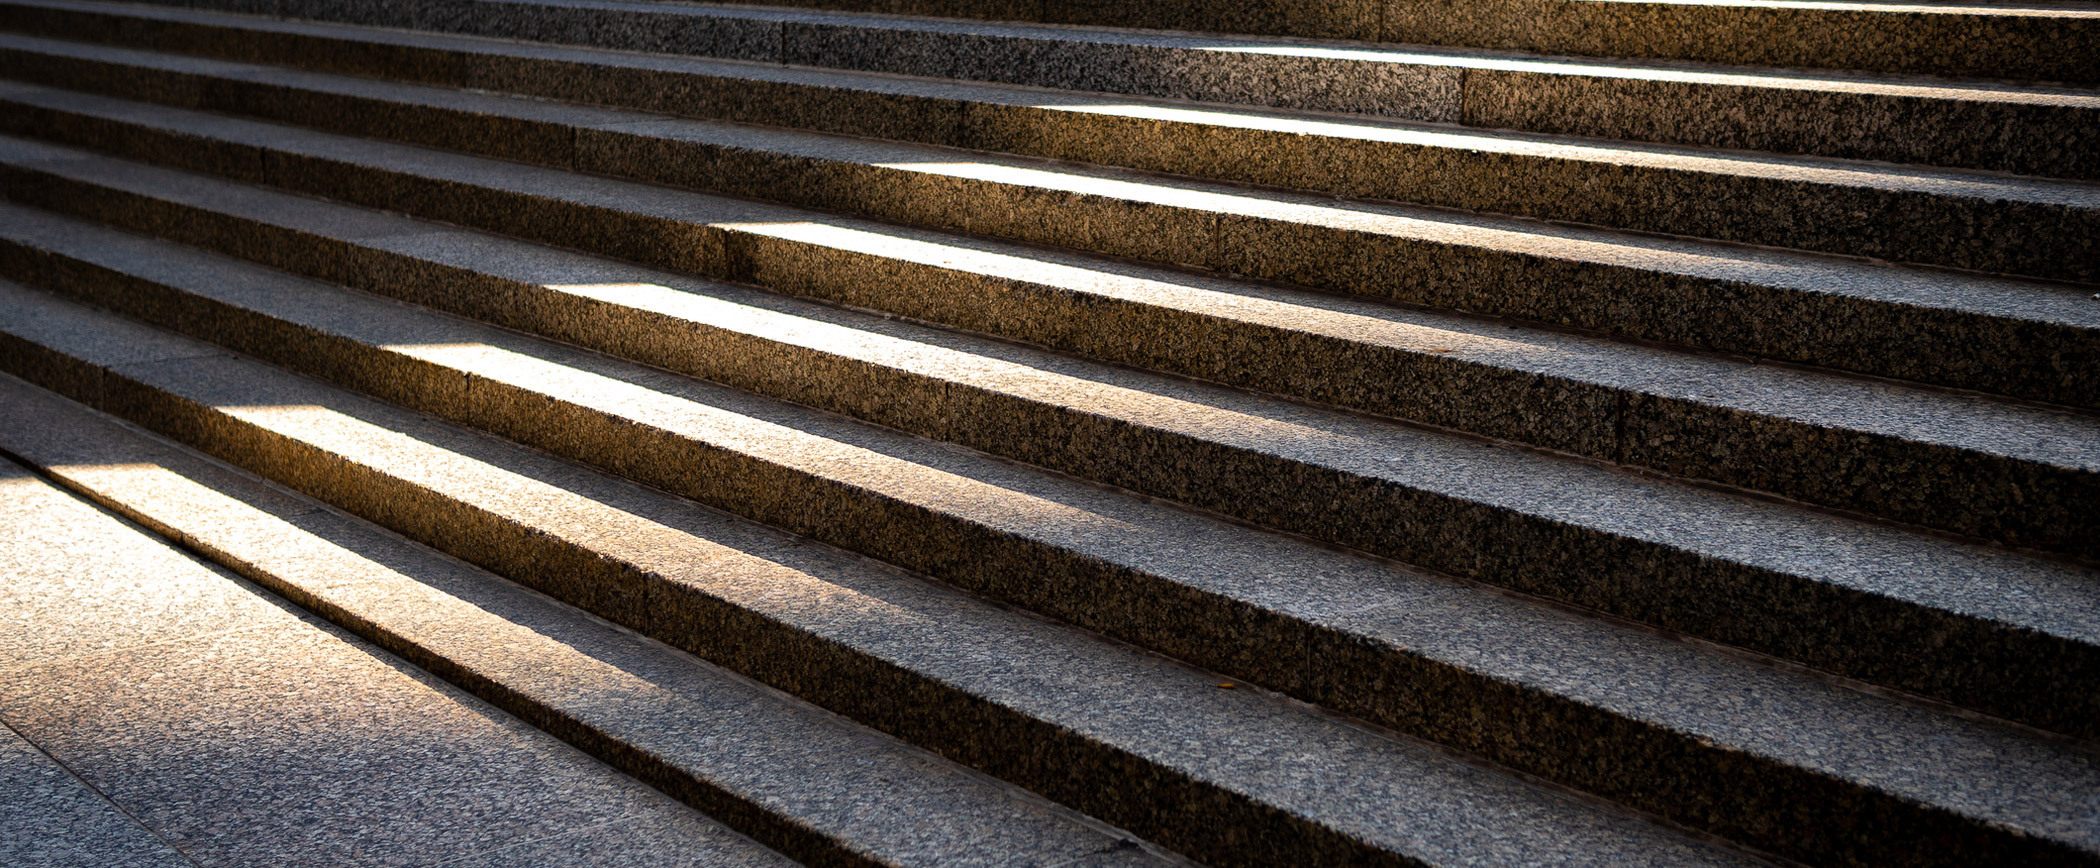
point(2001, 127)
point(1995, 224)
point(1687, 424)
point(779, 490)
point(2031, 42)
point(1055, 709)
point(918, 394)
point(55, 820)
point(229, 756)
point(742, 752)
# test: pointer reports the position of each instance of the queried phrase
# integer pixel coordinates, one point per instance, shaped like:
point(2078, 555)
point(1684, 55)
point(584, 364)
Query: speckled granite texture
point(1342, 767)
point(56, 820)
point(2001, 127)
point(769, 765)
point(164, 685)
point(1169, 754)
point(1737, 308)
point(2029, 42)
point(569, 427)
point(2033, 42)
point(1041, 349)
point(1916, 466)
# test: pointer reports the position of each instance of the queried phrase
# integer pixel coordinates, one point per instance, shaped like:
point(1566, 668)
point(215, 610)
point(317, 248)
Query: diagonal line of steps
point(1992, 38)
point(1235, 777)
point(768, 765)
point(1941, 461)
point(1975, 221)
point(2021, 129)
point(1826, 762)
point(2022, 339)
point(951, 387)
point(2045, 40)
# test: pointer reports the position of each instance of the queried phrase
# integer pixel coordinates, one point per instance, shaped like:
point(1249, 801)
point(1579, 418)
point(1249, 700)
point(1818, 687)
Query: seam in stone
point(90, 785)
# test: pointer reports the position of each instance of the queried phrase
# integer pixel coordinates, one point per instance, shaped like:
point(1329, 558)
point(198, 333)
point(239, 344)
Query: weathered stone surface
point(55, 820)
point(769, 765)
point(1956, 464)
point(845, 484)
point(1979, 222)
point(262, 738)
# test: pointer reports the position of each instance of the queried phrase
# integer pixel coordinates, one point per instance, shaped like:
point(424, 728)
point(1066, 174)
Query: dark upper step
point(1977, 221)
point(2029, 130)
point(2046, 41)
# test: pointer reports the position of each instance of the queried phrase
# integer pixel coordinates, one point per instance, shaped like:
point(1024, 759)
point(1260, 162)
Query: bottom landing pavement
point(160, 712)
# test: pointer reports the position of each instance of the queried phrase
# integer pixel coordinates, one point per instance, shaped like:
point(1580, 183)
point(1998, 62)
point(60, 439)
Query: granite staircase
point(1062, 433)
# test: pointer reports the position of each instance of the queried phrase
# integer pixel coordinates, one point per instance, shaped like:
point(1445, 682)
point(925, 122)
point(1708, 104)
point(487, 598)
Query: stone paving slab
point(255, 736)
point(55, 820)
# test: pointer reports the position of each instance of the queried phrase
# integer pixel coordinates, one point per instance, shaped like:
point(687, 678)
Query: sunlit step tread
point(2037, 459)
point(859, 487)
point(796, 777)
point(1081, 719)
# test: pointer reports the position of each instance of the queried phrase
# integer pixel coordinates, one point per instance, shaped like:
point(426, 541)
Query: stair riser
point(784, 832)
point(2052, 48)
point(1417, 695)
point(1916, 41)
point(1965, 492)
point(2052, 141)
point(1982, 234)
point(1168, 808)
point(1528, 552)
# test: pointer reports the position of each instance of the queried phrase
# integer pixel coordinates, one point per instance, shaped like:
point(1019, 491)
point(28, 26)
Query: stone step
point(2016, 338)
point(798, 778)
point(1232, 776)
point(1624, 714)
point(2039, 130)
point(1978, 467)
point(156, 711)
point(1986, 39)
point(1968, 220)
point(2031, 41)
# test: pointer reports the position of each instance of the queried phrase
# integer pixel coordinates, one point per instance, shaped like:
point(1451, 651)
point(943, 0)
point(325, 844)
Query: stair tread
point(1928, 757)
point(1962, 421)
point(1567, 179)
point(1971, 423)
point(1338, 125)
point(274, 739)
point(892, 803)
point(1981, 294)
point(1974, 426)
point(1247, 742)
point(1611, 100)
point(760, 47)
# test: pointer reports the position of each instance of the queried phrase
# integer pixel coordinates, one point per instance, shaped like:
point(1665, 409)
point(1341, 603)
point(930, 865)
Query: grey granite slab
point(1885, 212)
point(729, 423)
point(55, 820)
point(979, 682)
point(799, 778)
point(1163, 222)
point(2026, 41)
point(1964, 124)
point(1450, 560)
point(284, 741)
